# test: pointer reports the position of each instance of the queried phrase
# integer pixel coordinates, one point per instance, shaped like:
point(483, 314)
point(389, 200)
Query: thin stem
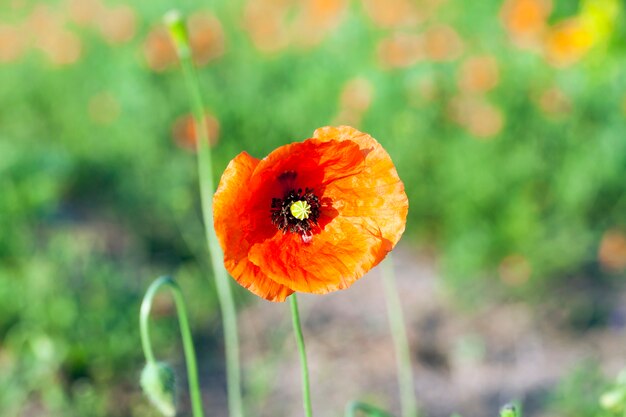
point(355, 406)
point(190, 354)
point(178, 32)
point(185, 332)
point(144, 327)
point(297, 329)
point(400, 341)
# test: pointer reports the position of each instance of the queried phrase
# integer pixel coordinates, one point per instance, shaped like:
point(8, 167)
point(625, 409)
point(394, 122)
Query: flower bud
point(157, 381)
point(509, 410)
point(178, 32)
point(613, 400)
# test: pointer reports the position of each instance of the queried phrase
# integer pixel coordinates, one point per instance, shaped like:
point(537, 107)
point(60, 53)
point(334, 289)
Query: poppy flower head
point(312, 216)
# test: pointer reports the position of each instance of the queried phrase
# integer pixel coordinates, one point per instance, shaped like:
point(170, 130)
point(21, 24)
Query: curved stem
point(355, 406)
point(400, 341)
point(185, 332)
point(297, 329)
point(178, 32)
point(144, 327)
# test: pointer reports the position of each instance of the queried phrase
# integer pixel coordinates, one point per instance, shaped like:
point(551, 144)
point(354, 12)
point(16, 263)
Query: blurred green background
point(506, 121)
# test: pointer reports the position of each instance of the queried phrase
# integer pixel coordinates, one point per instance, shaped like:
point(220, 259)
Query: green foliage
point(586, 392)
point(579, 392)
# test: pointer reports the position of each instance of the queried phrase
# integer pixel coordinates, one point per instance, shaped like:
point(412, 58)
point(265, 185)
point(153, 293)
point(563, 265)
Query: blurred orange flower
point(263, 19)
point(355, 99)
point(85, 12)
point(554, 102)
point(481, 118)
point(12, 44)
point(479, 74)
point(324, 10)
point(515, 270)
point(485, 120)
point(357, 94)
point(400, 50)
point(312, 216)
point(117, 25)
point(392, 13)
point(526, 20)
point(184, 131)
point(41, 22)
point(348, 116)
point(612, 251)
point(315, 19)
point(442, 43)
point(567, 42)
point(60, 45)
point(275, 24)
point(158, 49)
point(205, 36)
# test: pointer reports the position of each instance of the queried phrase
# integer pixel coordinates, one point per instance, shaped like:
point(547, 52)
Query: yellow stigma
point(300, 209)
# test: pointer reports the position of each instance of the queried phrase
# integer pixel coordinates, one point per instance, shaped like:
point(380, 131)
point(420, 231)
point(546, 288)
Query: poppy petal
point(229, 214)
point(378, 193)
point(333, 260)
point(315, 162)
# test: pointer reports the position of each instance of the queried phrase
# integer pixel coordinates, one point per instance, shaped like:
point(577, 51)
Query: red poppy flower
point(312, 216)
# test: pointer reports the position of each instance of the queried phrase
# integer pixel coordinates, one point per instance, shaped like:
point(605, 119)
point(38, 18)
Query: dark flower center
point(296, 212)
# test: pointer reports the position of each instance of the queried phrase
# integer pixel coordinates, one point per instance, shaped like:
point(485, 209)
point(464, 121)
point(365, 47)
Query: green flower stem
point(178, 32)
point(400, 341)
point(297, 329)
point(355, 406)
point(185, 332)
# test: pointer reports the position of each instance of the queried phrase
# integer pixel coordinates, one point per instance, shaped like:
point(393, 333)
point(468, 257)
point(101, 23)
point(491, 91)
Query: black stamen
point(286, 222)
